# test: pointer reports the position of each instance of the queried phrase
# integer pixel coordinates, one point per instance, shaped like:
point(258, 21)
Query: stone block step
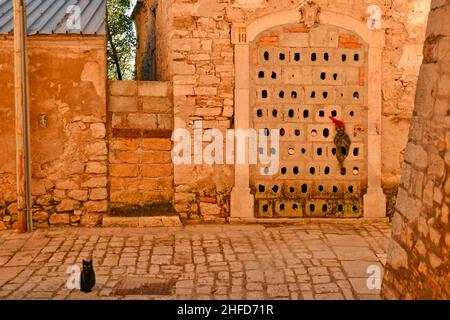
point(144, 222)
point(150, 215)
point(148, 210)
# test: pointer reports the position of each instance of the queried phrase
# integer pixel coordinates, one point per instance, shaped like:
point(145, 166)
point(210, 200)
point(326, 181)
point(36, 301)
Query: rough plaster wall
point(67, 82)
point(203, 69)
point(418, 263)
point(7, 134)
point(145, 29)
point(404, 23)
point(163, 29)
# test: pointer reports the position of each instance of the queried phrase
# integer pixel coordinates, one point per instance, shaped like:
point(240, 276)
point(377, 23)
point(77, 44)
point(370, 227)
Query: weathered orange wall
point(67, 80)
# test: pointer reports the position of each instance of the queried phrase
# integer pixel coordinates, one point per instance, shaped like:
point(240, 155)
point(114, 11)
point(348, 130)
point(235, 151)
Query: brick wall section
point(418, 264)
point(140, 168)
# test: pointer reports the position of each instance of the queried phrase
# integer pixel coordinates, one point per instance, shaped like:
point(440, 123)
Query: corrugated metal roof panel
point(57, 16)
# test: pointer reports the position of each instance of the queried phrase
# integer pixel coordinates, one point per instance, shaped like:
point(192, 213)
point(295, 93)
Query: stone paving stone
point(254, 276)
point(320, 279)
point(361, 287)
point(307, 261)
point(329, 296)
point(5, 293)
point(308, 295)
point(346, 240)
point(255, 286)
point(8, 273)
point(255, 295)
point(355, 253)
point(323, 254)
point(161, 259)
point(39, 295)
point(17, 295)
point(277, 291)
point(369, 297)
point(21, 258)
point(274, 277)
point(358, 269)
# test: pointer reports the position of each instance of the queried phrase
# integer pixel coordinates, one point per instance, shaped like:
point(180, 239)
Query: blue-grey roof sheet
point(57, 17)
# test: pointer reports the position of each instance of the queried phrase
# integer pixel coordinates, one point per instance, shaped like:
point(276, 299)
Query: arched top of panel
point(245, 33)
point(296, 35)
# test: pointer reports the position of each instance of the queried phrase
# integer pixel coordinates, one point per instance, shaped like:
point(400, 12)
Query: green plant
point(121, 40)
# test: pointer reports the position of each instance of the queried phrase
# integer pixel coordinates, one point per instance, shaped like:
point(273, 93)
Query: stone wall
point(404, 23)
point(69, 156)
point(141, 122)
point(194, 50)
point(418, 264)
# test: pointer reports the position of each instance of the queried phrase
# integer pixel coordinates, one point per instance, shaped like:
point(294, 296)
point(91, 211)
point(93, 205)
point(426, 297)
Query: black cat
point(87, 279)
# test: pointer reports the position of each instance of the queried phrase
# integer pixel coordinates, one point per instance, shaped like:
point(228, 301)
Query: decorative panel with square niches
point(311, 84)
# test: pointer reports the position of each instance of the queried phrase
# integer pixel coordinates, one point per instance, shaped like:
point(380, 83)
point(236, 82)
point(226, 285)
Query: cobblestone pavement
point(302, 261)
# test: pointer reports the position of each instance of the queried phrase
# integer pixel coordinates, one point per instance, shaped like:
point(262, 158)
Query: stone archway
point(242, 199)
